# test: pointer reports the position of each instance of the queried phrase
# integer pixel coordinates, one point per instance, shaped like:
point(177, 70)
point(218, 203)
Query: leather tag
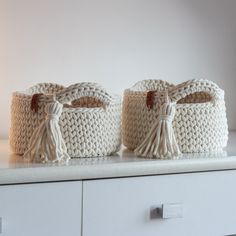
point(150, 99)
point(34, 106)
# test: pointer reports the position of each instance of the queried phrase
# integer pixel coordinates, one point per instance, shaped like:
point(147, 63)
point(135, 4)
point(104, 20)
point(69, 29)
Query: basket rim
point(48, 97)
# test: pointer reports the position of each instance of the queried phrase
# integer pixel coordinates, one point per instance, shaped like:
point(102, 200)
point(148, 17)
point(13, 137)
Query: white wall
point(116, 42)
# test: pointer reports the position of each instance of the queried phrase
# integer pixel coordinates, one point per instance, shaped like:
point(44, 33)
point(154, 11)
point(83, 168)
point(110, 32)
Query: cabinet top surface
point(124, 164)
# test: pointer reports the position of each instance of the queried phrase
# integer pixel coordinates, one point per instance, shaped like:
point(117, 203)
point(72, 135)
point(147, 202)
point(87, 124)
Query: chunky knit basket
point(162, 120)
point(52, 123)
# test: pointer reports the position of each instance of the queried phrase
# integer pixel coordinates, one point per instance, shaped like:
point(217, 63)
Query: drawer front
point(200, 204)
point(41, 209)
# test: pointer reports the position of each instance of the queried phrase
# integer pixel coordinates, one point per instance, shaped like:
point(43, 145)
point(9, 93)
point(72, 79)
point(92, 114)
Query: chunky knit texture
point(46, 143)
point(89, 123)
point(199, 123)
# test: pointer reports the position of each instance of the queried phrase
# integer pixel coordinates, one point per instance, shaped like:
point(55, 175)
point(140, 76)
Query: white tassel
point(46, 143)
point(160, 141)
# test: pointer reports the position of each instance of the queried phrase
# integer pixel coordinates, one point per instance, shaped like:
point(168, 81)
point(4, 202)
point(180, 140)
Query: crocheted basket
point(161, 120)
point(89, 122)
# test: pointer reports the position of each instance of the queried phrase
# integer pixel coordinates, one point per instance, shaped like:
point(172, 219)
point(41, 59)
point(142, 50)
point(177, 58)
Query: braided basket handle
point(151, 85)
point(196, 85)
point(45, 88)
point(85, 89)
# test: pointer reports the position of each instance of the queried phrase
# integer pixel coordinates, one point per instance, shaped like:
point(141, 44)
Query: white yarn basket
point(90, 121)
point(199, 124)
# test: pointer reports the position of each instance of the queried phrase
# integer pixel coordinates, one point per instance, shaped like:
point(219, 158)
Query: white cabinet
point(127, 206)
point(108, 197)
point(194, 204)
point(45, 209)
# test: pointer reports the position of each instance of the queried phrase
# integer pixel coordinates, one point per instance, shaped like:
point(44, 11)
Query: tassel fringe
point(160, 141)
point(46, 144)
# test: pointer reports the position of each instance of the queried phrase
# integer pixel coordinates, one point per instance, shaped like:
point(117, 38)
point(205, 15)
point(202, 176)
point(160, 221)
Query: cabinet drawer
point(41, 209)
point(127, 206)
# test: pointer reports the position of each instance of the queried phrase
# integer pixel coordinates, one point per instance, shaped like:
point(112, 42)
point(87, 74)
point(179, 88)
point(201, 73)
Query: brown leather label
point(150, 99)
point(34, 106)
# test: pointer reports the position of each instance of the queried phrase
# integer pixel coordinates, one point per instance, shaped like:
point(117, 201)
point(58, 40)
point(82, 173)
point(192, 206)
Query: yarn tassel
point(46, 144)
point(160, 141)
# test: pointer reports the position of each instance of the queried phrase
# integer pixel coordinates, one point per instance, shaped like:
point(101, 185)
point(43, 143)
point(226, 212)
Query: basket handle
point(45, 88)
point(84, 89)
point(196, 85)
point(151, 84)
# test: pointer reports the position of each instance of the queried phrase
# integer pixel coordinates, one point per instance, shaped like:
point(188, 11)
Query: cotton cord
point(160, 141)
point(90, 123)
point(46, 144)
point(199, 123)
